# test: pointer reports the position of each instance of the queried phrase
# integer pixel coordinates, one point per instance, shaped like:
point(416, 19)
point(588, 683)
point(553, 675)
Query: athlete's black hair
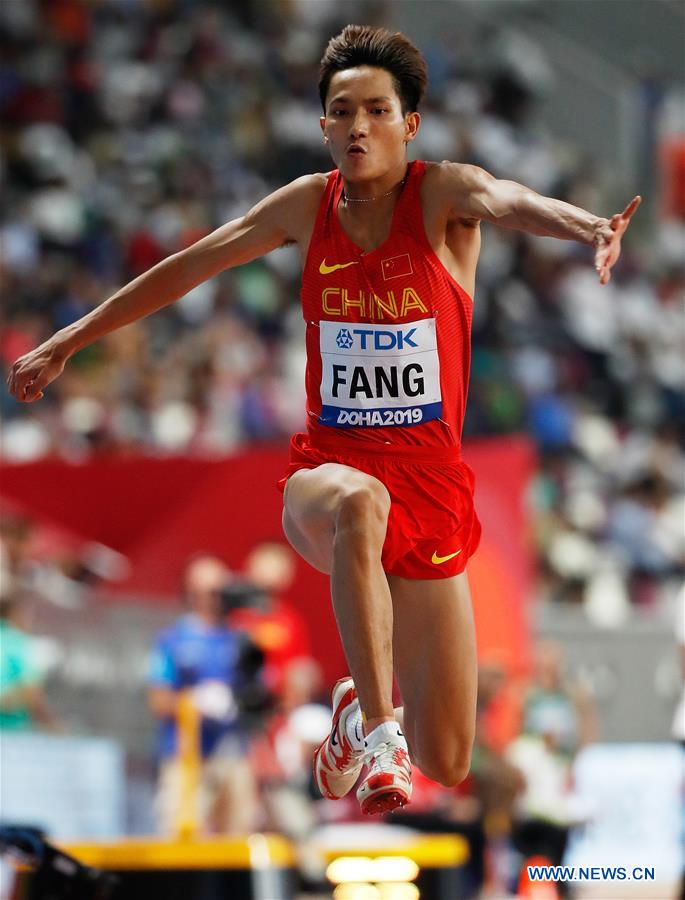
point(367, 45)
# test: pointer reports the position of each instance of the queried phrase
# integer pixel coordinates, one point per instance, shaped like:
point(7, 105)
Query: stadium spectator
point(282, 753)
point(558, 719)
point(23, 702)
point(274, 625)
point(555, 708)
point(201, 655)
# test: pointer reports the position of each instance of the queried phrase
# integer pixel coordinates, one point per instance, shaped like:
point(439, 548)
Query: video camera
point(242, 595)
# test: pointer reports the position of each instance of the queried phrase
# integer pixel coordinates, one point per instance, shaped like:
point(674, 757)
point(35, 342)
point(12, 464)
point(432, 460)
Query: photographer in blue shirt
point(201, 654)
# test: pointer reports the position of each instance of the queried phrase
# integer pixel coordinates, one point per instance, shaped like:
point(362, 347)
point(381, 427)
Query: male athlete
point(376, 494)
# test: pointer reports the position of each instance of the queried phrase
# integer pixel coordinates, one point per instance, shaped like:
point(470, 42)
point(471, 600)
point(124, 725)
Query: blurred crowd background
point(131, 129)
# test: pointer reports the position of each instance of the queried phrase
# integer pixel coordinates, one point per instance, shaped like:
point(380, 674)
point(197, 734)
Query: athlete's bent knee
point(447, 771)
point(363, 506)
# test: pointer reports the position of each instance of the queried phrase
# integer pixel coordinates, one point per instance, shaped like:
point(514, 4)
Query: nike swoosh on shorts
point(438, 560)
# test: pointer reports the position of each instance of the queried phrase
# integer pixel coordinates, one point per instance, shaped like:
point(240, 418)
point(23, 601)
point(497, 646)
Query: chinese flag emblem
point(396, 266)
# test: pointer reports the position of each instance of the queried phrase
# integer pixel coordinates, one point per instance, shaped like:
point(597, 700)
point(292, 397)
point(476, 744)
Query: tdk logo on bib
point(379, 374)
point(344, 339)
point(372, 339)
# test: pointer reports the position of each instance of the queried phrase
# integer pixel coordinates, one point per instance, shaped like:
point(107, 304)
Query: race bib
point(379, 374)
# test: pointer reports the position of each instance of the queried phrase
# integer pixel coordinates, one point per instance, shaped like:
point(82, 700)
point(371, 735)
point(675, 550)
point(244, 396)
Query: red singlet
point(388, 358)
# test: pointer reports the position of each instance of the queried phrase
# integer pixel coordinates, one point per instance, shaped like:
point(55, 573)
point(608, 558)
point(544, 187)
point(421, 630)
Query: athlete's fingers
point(16, 386)
point(25, 390)
point(33, 389)
point(620, 221)
point(609, 244)
point(15, 382)
point(601, 254)
point(603, 259)
point(603, 266)
point(631, 207)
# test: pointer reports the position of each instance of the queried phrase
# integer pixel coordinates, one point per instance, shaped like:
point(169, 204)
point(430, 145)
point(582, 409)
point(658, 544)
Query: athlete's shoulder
point(307, 189)
point(452, 183)
point(455, 176)
point(291, 208)
point(305, 198)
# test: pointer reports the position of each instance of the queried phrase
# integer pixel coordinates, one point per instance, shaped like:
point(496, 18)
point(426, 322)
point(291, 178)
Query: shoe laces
point(388, 755)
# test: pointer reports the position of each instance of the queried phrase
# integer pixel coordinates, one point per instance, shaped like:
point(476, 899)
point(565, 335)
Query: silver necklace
point(347, 199)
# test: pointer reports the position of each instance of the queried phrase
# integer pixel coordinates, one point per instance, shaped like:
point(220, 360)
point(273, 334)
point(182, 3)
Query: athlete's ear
point(322, 123)
point(412, 121)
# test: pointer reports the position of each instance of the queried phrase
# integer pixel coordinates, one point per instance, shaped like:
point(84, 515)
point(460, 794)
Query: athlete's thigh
point(434, 648)
point(311, 501)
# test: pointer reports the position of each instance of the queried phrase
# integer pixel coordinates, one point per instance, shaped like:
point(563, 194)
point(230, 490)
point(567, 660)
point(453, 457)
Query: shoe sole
point(320, 772)
point(384, 802)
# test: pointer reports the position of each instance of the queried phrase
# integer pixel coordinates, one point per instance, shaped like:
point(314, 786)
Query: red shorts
point(433, 528)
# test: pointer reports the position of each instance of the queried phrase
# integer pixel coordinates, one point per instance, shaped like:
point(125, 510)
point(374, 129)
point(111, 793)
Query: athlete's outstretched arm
point(478, 195)
point(273, 222)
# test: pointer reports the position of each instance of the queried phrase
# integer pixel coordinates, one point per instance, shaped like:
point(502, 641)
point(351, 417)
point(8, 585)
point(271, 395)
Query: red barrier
point(157, 512)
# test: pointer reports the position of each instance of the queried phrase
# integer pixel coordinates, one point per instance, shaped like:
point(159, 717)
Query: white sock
point(386, 731)
point(354, 729)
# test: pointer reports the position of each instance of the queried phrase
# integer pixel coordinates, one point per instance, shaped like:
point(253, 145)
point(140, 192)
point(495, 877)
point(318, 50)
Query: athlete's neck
point(364, 193)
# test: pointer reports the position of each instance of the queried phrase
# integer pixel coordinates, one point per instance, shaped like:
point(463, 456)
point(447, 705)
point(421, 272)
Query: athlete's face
point(364, 126)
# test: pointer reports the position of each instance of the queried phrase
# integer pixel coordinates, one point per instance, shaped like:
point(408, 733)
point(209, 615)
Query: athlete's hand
point(32, 372)
point(607, 240)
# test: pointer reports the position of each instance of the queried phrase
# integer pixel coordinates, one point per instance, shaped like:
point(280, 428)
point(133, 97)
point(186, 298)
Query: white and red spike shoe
point(387, 783)
point(337, 763)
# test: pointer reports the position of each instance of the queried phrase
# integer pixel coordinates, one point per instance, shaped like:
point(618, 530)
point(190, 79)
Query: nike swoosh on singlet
point(326, 270)
point(437, 560)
